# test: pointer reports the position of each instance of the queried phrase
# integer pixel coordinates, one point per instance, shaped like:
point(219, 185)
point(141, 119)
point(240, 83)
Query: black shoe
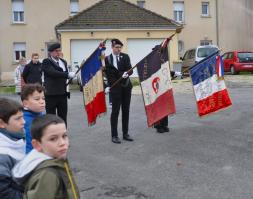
point(160, 130)
point(166, 129)
point(116, 140)
point(128, 138)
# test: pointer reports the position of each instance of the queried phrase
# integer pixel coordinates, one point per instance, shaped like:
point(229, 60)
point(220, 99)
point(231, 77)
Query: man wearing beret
point(55, 79)
point(116, 66)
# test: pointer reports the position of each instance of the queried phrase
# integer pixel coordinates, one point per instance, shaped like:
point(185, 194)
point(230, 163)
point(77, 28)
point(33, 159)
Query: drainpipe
point(217, 23)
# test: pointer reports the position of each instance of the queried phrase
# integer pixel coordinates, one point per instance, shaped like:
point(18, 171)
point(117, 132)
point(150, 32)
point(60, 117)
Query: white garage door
point(82, 49)
point(139, 48)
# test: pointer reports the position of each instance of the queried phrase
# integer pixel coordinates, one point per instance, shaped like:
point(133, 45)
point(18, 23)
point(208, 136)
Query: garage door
point(82, 49)
point(139, 48)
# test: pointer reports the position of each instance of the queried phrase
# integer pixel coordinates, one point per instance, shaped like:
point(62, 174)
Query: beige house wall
point(235, 30)
point(235, 24)
point(66, 38)
point(38, 28)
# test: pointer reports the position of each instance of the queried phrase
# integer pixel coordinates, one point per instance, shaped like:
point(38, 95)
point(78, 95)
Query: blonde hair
point(35, 54)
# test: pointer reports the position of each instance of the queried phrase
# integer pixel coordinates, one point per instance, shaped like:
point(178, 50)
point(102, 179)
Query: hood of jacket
point(11, 145)
point(28, 164)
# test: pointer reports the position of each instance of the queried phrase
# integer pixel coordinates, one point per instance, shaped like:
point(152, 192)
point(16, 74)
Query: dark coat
point(8, 188)
point(113, 73)
point(54, 77)
point(32, 73)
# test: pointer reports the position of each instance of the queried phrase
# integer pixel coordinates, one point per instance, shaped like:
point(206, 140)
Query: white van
point(195, 55)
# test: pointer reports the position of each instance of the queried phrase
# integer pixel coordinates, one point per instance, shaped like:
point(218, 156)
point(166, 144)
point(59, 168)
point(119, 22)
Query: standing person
point(12, 146)
point(55, 76)
point(116, 66)
point(33, 71)
point(18, 75)
point(162, 125)
point(33, 100)
point(45, 172)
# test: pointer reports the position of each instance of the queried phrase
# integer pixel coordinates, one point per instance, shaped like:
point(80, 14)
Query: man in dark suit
point(116, 66)
point(55, 82)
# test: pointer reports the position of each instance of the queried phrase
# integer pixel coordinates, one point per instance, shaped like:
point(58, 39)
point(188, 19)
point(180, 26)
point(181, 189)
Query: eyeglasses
point(117, 46)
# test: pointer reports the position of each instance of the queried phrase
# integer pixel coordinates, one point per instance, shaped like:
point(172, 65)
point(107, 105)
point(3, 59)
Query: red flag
point(154, 75)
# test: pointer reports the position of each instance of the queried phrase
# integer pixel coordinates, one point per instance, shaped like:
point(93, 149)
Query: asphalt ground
point(200, 158)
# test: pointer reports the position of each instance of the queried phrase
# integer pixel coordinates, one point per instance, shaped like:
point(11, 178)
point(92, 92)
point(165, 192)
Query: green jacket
point(51, 179)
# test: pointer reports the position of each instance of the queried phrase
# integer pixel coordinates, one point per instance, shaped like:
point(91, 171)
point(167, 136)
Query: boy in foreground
point(44, 172)
point(33, 99)
point(12, 146)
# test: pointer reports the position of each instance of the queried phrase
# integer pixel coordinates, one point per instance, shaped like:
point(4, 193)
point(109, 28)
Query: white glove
point(125, 75)
point(178, 74)
point(71, 75)
point(107, 90)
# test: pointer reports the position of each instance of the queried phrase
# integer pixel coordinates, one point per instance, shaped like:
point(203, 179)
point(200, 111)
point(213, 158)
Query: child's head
point(49, 136)
point(11, 115)
point(33, 98)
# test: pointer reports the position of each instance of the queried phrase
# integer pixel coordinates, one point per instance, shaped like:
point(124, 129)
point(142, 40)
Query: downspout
point(217, 23)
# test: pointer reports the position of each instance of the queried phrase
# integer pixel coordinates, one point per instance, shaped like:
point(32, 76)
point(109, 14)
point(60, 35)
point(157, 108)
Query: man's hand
point(71, 75)
point(125, 75)
point(178, 74)
point(107, 90)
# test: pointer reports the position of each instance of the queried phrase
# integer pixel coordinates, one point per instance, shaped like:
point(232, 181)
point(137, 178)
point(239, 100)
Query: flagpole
point(82, 64)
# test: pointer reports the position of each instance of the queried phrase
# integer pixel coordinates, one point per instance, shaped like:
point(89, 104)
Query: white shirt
point(115, 57)
point(61, 64)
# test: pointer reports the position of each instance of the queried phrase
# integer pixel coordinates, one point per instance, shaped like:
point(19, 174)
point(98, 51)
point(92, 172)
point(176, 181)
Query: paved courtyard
point(200, 158)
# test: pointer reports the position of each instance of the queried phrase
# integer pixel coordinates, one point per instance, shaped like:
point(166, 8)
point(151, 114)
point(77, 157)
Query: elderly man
point(55, 78)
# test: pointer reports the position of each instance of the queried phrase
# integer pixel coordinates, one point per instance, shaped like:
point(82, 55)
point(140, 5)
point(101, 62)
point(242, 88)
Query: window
point(19, 50)
point(205, 9)
point(180, 46)
point(192, 54)
point(225, 56)
point(18, 11)
point(178, 11)
point(205, 42)
point(230, 55)
point(74, 7)
point(141, 3)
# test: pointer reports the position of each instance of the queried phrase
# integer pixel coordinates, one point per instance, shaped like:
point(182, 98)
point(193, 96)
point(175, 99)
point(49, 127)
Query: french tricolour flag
point(154, 75)
point(93, 88)
point(210, 90)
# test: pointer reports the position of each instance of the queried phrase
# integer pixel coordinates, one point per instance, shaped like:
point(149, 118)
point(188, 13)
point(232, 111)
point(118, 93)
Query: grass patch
point(73, 86)
point(135, 81)
point(7, 89)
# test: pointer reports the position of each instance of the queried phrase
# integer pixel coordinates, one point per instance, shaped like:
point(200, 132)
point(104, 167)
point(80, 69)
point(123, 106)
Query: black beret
point(53, 47)
point(116, 41)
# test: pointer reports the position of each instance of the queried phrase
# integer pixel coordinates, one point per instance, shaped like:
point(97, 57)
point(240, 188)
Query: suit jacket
point(54, 77)
point(113, 73)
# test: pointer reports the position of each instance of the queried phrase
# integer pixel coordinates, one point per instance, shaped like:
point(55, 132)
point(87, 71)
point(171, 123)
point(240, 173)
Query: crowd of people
point(33, 136)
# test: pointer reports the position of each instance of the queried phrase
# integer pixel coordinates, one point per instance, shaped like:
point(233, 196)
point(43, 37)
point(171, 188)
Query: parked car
point(237, 61)
point(194, 55)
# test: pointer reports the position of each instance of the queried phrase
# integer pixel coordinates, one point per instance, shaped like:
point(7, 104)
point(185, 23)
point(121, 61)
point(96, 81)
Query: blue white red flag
point(156, 85)
point(210, 91)
point(92, 81)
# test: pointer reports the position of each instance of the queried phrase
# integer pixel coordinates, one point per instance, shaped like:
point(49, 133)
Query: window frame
point(210, 42)
point(205, 3)
point(178, 13)
point(19, 50)
point(18, 11)
point(141, 3)
point(73, 11)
